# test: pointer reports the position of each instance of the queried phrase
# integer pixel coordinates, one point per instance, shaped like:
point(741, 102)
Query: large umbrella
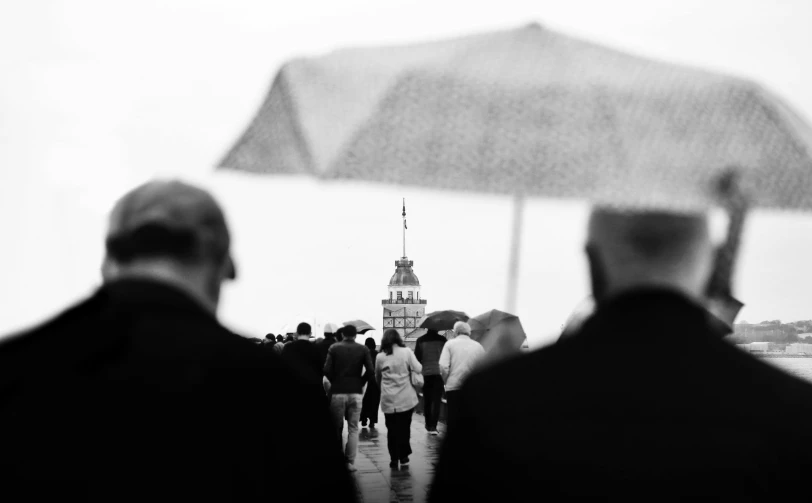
point(500, 333)
point(530, 112)
point(441, 320)
point(361, 326)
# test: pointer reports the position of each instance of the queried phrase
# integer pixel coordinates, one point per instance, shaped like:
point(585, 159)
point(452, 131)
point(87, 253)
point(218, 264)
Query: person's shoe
point(351, 467)
point(404, 462)
point(393, 464)
point(364, 423)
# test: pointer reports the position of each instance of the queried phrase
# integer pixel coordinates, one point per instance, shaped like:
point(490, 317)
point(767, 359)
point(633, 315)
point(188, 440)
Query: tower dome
point(404, 275)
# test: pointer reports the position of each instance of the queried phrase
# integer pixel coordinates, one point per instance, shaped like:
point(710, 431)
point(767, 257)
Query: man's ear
point(109, 269)
point(597, 272)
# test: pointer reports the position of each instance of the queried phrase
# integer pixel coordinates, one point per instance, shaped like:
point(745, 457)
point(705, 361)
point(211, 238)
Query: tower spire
point(404, 227)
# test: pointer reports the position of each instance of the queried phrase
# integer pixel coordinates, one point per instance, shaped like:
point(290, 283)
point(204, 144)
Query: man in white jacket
point(459, 357)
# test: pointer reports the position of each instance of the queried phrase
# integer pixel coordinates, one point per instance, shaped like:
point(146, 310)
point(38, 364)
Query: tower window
point(400, 295)
point(411, 295)
point(390, 295)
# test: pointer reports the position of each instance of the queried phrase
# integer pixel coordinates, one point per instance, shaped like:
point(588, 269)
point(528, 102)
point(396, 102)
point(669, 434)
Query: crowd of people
point(359, 381)
point(138, 393)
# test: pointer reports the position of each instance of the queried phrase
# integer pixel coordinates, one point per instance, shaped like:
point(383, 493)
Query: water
point(800, 367)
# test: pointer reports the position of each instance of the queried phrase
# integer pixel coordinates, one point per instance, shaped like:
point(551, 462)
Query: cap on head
point(462, 328)
point(168, 218)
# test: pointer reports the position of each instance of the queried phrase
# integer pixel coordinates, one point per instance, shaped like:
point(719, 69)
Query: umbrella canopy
point(361, 326)
point(530, 111)
point(441, 320)
point(501, 334)
point(418, 332)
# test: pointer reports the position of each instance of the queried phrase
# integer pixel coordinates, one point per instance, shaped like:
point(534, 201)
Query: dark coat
point(428, 349)
point(647, 402)
point(372, 396)
point(139, 394)
point(305, 355)
point(324, 348)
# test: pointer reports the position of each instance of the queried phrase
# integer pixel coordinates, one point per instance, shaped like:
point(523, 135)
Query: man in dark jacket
point(428, 349)
point(329, 340)
point(304, 354)
point(139, 394)
point(348, 368)
point(646, 402)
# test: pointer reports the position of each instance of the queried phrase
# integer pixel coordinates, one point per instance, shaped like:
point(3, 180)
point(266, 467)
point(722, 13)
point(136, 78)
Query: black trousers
point(452, 406)
point(398, 433)
point(432, 400)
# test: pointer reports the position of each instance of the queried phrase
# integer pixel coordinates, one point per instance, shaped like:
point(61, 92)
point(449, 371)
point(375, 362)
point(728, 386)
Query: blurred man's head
point(171, 231)
point(628, 250)
point(303, 331)
point(349, 332)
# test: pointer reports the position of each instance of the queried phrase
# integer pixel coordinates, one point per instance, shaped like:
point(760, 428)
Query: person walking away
point(138, 393)
point(458, 358)
point(304, 355)
point(393, 369)
point(324, 347)
point(280, 344)
point(616, 412)
point(372, 395)
point(348, 368)
point(428, 349)
point(329, 340)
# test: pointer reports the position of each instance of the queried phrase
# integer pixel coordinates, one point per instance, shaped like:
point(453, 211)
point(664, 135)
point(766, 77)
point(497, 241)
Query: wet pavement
point(377, 482)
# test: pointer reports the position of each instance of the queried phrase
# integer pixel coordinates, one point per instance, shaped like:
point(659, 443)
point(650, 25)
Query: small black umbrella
point(361, 326)
point(441, 320)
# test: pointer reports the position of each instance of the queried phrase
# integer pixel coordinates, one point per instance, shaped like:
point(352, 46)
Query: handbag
point(417, 379)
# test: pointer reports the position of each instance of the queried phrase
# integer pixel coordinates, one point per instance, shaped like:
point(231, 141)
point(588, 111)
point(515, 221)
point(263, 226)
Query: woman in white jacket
point(393, 369)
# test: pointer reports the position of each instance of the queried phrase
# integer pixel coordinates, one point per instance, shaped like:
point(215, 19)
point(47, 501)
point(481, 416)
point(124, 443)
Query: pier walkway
point(377, 482)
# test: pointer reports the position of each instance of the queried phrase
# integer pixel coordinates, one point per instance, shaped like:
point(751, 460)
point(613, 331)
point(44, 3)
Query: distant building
point(755, 347)
point(404, 307)
point(799, 349)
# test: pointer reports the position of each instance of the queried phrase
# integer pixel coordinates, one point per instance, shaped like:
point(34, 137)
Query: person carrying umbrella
point(618, 405)
point(428, 349)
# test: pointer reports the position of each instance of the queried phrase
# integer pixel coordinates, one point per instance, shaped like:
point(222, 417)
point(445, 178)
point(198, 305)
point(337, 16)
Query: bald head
point(630, 249)
point(172, 231)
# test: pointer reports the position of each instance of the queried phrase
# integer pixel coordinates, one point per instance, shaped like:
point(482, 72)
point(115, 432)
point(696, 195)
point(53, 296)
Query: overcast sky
point(97, 96)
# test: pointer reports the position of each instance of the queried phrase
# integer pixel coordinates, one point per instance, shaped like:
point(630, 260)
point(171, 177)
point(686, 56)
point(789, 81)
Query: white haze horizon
point(98, 97)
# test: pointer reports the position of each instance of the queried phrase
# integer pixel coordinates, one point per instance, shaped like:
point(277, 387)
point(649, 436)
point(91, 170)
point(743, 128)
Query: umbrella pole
point(515, 248)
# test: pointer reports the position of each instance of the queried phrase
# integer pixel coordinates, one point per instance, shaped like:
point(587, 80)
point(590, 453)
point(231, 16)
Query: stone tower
point(404, 307)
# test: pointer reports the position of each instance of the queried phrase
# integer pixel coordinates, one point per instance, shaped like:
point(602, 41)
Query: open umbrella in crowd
point(441, 320)
point(361, 326)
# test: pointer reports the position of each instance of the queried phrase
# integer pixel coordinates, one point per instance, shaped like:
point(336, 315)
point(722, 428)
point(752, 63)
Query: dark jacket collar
point(428, 337)
point(151, 293)
point(649, 314)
